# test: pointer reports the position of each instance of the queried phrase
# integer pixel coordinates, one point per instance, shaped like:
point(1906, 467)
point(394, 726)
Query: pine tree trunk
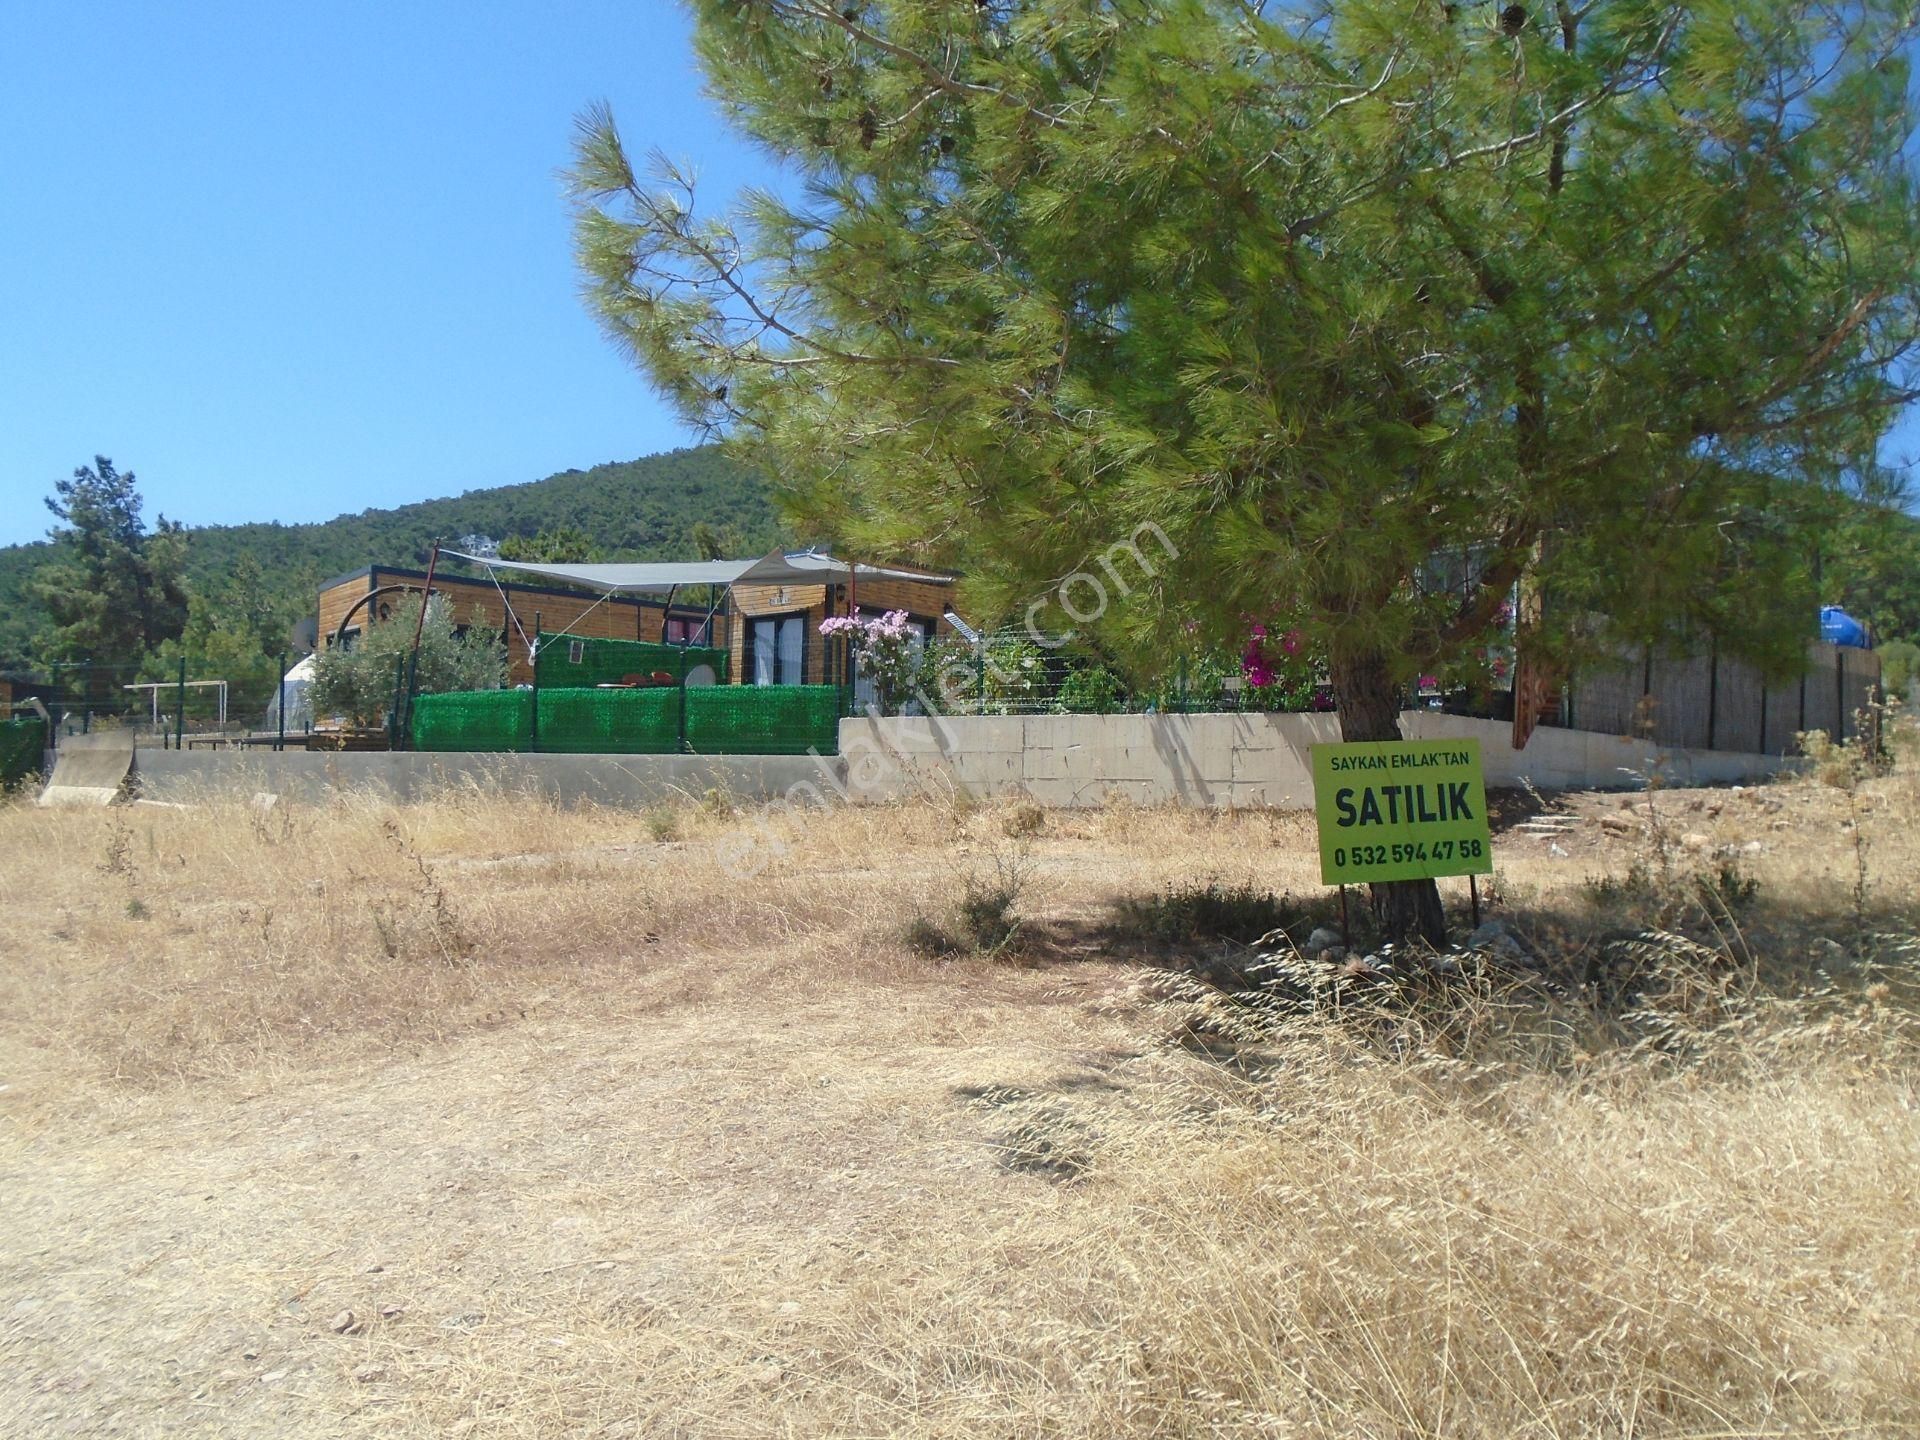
point(1369, 705)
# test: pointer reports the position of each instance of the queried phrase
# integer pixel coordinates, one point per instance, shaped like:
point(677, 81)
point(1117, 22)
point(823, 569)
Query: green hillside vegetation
point(642, 509)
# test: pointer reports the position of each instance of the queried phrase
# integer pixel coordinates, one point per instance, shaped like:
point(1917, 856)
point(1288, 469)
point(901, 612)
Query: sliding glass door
point(778, 649)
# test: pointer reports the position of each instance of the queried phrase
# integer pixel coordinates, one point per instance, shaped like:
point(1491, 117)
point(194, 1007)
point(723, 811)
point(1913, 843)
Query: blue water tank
point(1839, 628)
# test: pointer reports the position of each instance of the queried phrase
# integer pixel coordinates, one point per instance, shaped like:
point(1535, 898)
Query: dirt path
point(481, 1120)
point(512, 1224)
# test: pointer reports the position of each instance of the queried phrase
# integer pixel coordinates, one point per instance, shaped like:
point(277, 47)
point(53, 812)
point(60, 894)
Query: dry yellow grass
point(630, 1146)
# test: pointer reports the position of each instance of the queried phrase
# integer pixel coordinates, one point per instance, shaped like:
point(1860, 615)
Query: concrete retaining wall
point(1220, 761)
point(621, 780)
point(89, 769)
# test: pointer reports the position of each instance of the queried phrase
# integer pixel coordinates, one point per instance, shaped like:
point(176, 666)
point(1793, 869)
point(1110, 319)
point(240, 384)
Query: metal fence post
point(406, 713)
point(533, 729)
point(180, 709)
point(1713, 694)
point(281, 742)
point(683, 702)
point(1839, 694)
point(393, 705)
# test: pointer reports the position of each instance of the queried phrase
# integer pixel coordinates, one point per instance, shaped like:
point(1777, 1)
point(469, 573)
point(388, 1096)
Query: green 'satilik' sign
point(1401, 810)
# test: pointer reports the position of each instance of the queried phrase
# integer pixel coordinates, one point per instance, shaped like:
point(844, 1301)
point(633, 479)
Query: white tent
point(296, 686)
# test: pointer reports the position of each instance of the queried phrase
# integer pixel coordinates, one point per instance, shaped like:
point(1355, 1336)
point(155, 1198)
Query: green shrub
point(980, 920)
point(663, 823)
point(1213, 911)
point(1899, 664)
point(987, 923)
point(1095, 690)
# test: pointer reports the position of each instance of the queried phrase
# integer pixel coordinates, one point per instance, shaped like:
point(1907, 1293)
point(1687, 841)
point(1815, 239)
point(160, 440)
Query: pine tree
point(119, 592)
point(1380, 311)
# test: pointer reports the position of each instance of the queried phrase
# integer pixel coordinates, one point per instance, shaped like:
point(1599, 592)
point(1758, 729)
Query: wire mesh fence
point(1007, 673)
point(150, 696)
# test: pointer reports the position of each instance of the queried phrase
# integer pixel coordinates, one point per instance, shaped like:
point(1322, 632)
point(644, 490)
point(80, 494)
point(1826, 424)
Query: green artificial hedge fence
point(720, 720)
point(23, 747)
point(610, 722)
point(608, 662)
point(474, 720)
point(764, 719)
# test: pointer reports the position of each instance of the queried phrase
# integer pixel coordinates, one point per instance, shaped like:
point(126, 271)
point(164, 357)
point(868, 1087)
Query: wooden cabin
point(771, 631)
point(512, 608)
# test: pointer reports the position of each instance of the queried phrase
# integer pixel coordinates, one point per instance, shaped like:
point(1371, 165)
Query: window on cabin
point(684, 631)
point(777, 649)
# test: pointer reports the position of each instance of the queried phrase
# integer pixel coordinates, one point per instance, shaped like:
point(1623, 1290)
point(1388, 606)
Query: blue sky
point(286, 262)
point(289, 261)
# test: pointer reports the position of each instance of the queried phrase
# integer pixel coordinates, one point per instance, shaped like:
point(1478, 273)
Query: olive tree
point(360, 682)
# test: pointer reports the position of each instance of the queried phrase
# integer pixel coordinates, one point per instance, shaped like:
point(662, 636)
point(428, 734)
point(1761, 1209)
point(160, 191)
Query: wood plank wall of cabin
point(335, 601)
point(618, 618)
point(476, 602)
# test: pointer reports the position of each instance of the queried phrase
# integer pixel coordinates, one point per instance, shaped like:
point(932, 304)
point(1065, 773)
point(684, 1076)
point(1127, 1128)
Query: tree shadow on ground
point(1658, 963)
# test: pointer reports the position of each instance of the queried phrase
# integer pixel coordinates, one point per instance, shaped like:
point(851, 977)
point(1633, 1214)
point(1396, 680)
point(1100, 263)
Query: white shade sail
point(801, 567)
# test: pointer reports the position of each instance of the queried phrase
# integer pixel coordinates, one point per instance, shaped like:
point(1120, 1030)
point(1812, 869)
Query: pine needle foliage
point(1608, 292)
point(1608, 300)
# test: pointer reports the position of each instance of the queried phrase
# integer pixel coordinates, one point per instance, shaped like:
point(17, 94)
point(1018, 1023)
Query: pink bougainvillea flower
point(1290, 642)
point(1254, 666)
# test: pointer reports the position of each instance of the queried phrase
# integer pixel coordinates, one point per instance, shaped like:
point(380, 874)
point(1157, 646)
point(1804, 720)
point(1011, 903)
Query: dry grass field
point(482, 1118)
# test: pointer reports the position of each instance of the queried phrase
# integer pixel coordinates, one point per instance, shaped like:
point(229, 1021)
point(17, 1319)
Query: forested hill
point(637, 509)
point(630, 510)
